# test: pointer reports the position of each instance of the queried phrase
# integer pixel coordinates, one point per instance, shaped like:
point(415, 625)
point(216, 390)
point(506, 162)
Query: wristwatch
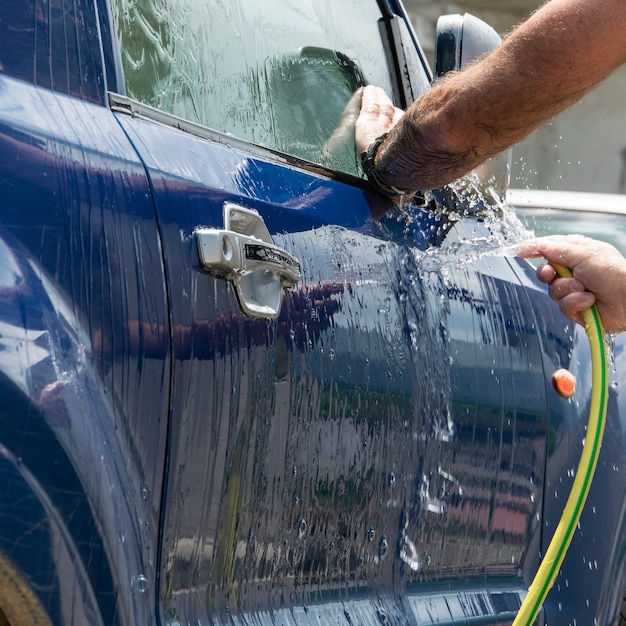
point(367, 165)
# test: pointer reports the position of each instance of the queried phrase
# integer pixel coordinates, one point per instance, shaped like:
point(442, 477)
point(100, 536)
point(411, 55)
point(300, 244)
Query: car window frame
point(396, 40)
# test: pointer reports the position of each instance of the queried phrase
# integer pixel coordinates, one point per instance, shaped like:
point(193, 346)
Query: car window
point(609, 227)
point(53, 44)
point(275, 73)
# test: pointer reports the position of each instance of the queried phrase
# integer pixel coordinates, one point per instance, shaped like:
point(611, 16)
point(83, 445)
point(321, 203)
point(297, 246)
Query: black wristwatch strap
point(367, 164)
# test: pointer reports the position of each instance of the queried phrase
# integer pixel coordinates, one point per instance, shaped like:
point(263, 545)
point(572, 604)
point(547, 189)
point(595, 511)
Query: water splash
point(444, 430)
point(498, 229)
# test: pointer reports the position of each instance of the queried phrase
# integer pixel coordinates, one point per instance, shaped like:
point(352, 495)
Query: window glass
point(53, 44)
point(609, 227)
point(278, 73)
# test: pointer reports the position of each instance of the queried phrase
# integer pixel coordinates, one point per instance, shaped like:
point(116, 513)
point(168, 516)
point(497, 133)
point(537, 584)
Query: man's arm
point(549, 62)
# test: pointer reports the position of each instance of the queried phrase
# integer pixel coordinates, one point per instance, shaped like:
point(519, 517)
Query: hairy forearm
point(543, 67)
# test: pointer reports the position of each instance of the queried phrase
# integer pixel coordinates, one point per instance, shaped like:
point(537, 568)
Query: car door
point(383, 421)
point(84, 334)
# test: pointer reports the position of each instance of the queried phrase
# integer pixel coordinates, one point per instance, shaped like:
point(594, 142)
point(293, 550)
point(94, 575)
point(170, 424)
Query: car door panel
point(335, 446)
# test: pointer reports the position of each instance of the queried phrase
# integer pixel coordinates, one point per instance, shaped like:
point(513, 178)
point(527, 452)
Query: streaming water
point(504, 230)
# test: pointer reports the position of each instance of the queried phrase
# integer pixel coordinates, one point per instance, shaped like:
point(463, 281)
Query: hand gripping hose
point(551, 563)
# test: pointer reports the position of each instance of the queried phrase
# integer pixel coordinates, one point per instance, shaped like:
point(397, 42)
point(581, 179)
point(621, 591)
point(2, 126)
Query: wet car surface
point(379, 443)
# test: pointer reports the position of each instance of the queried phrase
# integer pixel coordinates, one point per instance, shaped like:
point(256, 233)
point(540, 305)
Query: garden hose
point(551, 563)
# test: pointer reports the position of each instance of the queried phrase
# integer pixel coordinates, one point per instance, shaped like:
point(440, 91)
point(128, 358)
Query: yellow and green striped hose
point(551, 563)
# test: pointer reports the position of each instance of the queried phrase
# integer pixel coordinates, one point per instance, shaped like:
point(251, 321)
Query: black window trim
point(119, 103)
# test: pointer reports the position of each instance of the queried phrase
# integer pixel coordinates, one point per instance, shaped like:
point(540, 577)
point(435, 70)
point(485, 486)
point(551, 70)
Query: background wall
point(583, 149)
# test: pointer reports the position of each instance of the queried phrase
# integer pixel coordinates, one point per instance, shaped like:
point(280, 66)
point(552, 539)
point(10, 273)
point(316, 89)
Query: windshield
point(278, 73)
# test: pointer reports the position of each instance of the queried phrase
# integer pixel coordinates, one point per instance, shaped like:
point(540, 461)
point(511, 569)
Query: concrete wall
point(584, 149)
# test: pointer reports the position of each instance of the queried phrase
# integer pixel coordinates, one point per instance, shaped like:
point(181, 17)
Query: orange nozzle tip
point(564, 383)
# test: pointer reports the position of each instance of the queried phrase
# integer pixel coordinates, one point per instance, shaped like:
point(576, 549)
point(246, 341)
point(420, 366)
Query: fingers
point(376, 103)
point(566, 250)
point(561, 287)
point(568, 292)
point(573, 304)
point(377, 116)
point(353, 107)
point(344, 134)
point(546, 273)
point(397, 115)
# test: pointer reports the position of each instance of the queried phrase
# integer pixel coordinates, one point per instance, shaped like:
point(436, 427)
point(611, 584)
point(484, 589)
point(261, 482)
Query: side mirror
point(460, 40)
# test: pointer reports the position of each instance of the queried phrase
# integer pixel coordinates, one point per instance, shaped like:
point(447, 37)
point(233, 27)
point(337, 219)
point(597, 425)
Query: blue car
point(238, 386)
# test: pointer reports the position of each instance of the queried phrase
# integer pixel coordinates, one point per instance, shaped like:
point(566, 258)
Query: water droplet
point(141, 583)
point(371, 533)
point(302, 528)
point(383, 547)
point(144, 493)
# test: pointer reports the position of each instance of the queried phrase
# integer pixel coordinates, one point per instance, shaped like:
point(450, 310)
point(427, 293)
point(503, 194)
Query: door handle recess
point(244, 253)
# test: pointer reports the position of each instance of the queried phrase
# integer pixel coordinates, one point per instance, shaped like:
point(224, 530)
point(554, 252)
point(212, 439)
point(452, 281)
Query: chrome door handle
point(244, 253)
